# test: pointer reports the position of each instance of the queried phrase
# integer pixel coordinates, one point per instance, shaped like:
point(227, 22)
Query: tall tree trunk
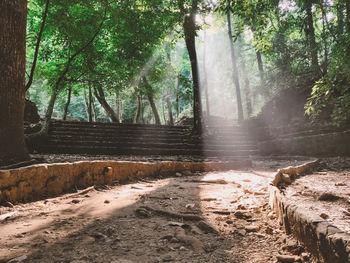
point(170, 112)
point(13, 21)
point(86, 103)
point(151, 100)
point(235, 71)
point(259, 60)
point(189, 26)
point(177, 96)
point(50, 107)
point(67, 103)
point(90, 105)
point(138, 110)
point(205, 79)
point(310, 33)
point(99, 94)
point(94, 114)
point(246, 84)
point(36, 53)
point(119, 107)
point(168, 102)
point(260, 67)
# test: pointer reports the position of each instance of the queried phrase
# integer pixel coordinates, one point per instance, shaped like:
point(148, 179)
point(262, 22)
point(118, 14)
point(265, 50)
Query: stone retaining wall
point(329, 144)
point(326, 242)
point(45, 180)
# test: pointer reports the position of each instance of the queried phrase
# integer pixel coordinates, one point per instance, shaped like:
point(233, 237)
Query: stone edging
point(46, 180)
point(325, 241)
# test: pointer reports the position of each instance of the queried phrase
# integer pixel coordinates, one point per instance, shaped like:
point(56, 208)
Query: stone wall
point(326, 242)
point(45, 180)
point(328, 144)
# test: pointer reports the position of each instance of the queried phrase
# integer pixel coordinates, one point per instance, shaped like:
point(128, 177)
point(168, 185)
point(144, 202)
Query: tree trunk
point(310, 34)
point(13, 20)
point(94, 113)
point(189, 26)
point(67, 103)
point(50, 107)
point(138, 110)
point(177, 97)
point(246, 84)
point(205, 79)
point(235, 71)
point(86, 103)
point(90, 105)
point(120, 110)
point(99, 94)
point(260, 67)
point(119, 106)
point(263, 90)
point(168, 102)
point(151, 100)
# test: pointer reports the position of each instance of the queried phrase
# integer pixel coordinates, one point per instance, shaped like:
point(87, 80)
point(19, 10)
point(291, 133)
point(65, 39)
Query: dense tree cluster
point(159, 60)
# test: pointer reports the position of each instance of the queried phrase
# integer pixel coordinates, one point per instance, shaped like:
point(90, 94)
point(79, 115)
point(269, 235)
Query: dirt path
point(209, 217)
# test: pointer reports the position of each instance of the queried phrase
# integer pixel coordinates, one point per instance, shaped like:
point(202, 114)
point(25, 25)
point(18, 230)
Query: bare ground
point(208, 217)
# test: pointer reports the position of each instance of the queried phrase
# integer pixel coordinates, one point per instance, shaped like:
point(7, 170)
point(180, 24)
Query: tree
point(13, 20)
point(235, 70)
point(189, 26)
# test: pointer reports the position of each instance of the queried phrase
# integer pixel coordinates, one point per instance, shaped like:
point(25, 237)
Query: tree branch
point(30, 80)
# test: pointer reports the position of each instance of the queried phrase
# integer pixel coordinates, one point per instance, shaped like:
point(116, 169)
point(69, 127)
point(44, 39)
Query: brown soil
point(208, 217)
point(325, 193)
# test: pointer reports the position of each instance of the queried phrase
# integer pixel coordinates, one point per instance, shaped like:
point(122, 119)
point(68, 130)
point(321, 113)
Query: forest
point(126, 61)
point(178, 62)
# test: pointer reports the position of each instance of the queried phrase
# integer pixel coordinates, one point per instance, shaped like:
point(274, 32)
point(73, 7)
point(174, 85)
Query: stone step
point(147, 144)
point(158, 139)
point(117, 125)
point(134, 136)
point(143, 151)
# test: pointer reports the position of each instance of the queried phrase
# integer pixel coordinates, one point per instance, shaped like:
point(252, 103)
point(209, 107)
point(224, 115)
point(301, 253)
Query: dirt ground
point(203, 217)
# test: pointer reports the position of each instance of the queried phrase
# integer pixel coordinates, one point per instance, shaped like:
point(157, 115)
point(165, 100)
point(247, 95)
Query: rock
point(287, 258)
point(122, 261)
point(328, 197)
point(187, 173)
point(269, 230)
point(171, 223)
point(167, 258)
point(204, 226)
point(107, 201)
point(18, 259)
point(252, 229)
point(324, 216)
point(182, 248)
point(241, 232)
point(271, 215)
point(178, 174)
point(242, 215)
point(190, 206)
point(75, 201)
point(142, 212)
